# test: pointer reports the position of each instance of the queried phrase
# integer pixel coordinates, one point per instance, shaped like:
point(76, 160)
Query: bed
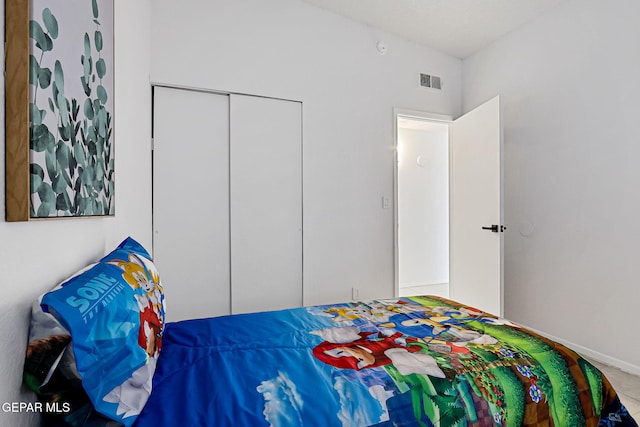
point(418, 361)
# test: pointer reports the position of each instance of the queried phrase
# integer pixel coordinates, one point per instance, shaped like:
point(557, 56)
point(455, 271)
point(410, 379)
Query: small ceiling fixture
point(381, 47)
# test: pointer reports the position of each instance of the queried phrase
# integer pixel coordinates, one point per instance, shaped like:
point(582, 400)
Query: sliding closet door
point(266, 203)
point(191, 201)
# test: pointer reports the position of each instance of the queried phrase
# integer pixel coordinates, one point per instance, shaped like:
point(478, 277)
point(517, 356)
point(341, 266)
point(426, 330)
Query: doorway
point(422, 205)
point(470, 235)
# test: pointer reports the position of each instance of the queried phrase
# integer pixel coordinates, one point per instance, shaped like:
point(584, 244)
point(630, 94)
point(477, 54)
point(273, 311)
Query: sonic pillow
point(115, 314)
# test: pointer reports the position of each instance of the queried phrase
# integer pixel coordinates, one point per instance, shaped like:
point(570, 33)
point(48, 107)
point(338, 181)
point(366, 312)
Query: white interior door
point(266, 203)
point(476, 260)
point(191, 201)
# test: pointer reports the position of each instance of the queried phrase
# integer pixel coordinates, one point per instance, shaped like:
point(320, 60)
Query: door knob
point(495, 228)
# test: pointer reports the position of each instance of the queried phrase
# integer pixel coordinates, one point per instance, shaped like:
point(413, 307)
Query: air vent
point(428, 80)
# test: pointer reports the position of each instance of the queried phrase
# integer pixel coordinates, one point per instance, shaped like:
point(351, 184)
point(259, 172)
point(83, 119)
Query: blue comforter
point(422, 361)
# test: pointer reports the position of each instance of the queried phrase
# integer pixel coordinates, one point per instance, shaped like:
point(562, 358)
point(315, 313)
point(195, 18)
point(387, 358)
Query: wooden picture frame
point(59, 104)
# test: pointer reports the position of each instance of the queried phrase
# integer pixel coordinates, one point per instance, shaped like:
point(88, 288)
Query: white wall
point(570, 87)
point(34, 256)
point(423, 205)
point(289, 49)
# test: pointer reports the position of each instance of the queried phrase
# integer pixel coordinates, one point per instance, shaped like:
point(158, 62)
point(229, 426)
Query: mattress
point(418, 361)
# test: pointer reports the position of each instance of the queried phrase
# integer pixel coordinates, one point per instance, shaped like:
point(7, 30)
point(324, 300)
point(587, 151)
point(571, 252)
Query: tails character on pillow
point(145, 281)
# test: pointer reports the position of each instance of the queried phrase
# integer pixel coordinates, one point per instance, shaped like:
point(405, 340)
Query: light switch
point(385, 202)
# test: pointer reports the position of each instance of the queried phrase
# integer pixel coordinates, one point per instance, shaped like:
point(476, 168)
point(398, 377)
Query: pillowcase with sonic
point(114, 312)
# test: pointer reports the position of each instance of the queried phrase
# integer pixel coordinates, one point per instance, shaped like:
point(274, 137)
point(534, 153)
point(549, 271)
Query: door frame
point(427, 117)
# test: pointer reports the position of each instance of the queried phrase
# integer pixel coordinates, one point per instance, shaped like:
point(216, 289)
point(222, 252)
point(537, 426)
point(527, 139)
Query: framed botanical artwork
point(59, 108)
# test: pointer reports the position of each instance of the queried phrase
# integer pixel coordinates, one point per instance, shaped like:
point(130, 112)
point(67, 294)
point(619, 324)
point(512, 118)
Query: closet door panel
point(191, 201)
point(266, 203)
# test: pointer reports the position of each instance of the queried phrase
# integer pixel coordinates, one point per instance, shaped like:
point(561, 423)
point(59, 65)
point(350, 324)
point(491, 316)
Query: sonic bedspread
point(419, 361)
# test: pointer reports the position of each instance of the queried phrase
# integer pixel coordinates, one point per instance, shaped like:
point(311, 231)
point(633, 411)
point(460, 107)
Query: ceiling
point(456, 27)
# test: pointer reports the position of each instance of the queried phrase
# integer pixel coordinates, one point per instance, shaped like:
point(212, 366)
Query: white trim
point(592, 354)
point(218, 92)
point(502, 219)
point(422, 115)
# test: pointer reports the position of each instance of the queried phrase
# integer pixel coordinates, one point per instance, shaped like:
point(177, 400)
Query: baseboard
point(592, 354)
